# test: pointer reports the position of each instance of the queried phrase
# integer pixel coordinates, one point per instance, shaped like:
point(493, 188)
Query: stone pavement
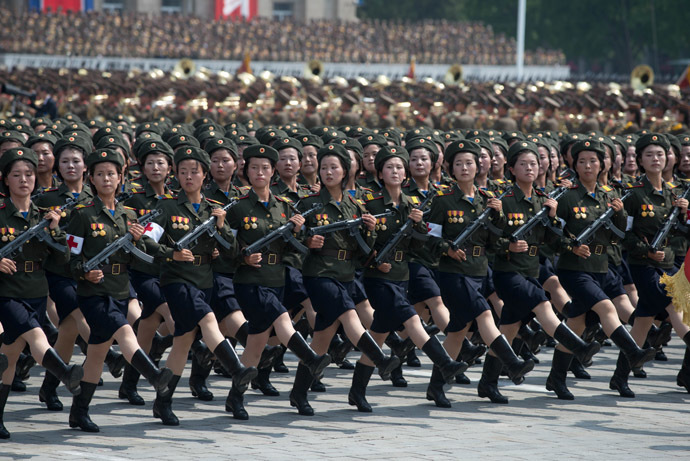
point(535, 425)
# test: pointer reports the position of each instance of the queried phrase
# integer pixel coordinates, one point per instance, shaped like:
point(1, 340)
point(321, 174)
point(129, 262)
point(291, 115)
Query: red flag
point(684, 80)
point(410, 73)
point(236, 9)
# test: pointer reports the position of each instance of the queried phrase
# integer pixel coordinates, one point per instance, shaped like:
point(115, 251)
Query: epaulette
point(671, 185)
point(536, 191)
point(415, 200)
point(134, 185)
point(215, 202)
point(635, 185)
point(129, 208)
point(316, 194)
point(441, 193)
point(366, 189)
point(283, 198)
point(500, 181)
point(165, 196)
point(137, 191)
point(243, 196)
point(83, 205)
point(52, 189)
point(244, 189)
point(357, 201)
point(369, 197)
point(488, 193)
point(444, 186)
point(607, 188)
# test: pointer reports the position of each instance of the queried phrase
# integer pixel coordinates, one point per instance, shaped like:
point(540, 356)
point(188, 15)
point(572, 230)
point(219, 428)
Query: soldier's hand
point(315, 241)
point(518, 247)
point(137, 230)
point(582, 251)
point(219, 213)
point(215, 253)
point(369, 221)
point(458, 255)
point(94, 276)
point(183, 256)
point(416, 215)
point(253, 260)
point(495, 204)
point(54, 218)
point(315, 188)
point(682, 203)
point(7, 266)
point(567, 183)
point(553, 206)
point(298, 221)
point(385, 267)
point(657, 256)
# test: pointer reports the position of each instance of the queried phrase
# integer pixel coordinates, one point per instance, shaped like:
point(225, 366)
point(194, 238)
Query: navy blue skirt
point(294, 293)
point(389, 300)
point(18, 316)
point(653, 298)
point(586, 289)
point(330, 299)
point(104, 315)
point(63, 292)
point(148, 290)
point(188, 305)
point(462, 294)
point(261, 305)
point(520, 295)
point(223, 301)
point(422, 284)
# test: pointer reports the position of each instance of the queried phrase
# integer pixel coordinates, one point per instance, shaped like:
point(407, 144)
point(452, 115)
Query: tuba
point(314, 69)
point(453, 76)
point(184, 69)
point(641, 77)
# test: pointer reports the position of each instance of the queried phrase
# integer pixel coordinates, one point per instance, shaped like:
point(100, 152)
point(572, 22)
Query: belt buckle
point(28, 266)
point(197, 260)
point(341, 255)
point(533, 250)
point(599, 249)
point(272, 259)
point(398, 256)
point(476, 251)
point(115, 269)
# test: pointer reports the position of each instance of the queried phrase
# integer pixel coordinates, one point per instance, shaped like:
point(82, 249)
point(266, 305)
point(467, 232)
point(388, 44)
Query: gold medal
point(102, 233)
point(326, 223)
point(11, 237)
point(450, 220)
point(247, 226)
point(644, 214)
point(63, 214)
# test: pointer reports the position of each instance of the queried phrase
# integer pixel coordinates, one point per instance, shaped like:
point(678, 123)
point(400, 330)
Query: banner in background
point(65, 5)
point(235, 9)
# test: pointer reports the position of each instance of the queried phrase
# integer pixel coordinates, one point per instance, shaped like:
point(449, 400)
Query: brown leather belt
point(270, 258)
point(114, 269)
point(202, 259)
point(340, 255)
point(29, 266)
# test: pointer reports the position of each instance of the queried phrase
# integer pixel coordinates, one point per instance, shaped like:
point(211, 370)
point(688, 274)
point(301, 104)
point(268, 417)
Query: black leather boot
point(18, 385)
point(25, 363)
point(115, 362)
point(315, 363)
point(128, 388)
point(435, 389)
point(79, 413)
point(533, 339)
point(470, 353)
point(269, 356)
point(619, 380)
point(317, 385)
point(397, 378)
point(3, 363)
point(242, 334)
point(523, 351)
point(559, 370)
point(358, 390)
point(580, 349)
point(683, 378)
point(4, 393)
point(385, 363)
point(48, 392)
point(197, 381)
point(412, 360)
point(298, 395)
point(488, 384)
point(157, 377)
point(262, 382)
point(449, 367)
point(636, 356)
point(235, 404)
point(162, 406)
point(517, 369)
point(279, 363)
point(658, 336)
point(159, 345)
point(400, 347)
point(578, 370)
point(339, 348)
point(241, 375)
point(69, 375)
point(202, 353)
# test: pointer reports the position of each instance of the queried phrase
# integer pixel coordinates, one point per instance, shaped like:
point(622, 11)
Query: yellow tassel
point(678, 288)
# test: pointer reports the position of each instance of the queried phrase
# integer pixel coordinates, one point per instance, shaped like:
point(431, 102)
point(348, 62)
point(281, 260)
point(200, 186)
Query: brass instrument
point(641, 77)
point(453, 76)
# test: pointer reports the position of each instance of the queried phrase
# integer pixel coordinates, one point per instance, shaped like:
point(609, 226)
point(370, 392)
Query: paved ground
point(598, 425)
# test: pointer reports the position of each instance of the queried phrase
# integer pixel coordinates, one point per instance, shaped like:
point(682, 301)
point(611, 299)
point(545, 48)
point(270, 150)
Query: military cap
point(458, 147)
point(183, 140)
point(102, 132)
point(145, 137)
point(311, 140)
point(192, 153)
point(111, 142)
point(684, 139)
point(508, 136)
point(500, 142)
point(41, 137)
point(154, 146)
point(651, 138)
point(95, 124)
point(246, 140)
point(588, 145)
point(338, 150)
point(40, 121)
point(18, 153)
point(520, 146)
point(104, 155)
point(269, 135)
point(213, 145)
point(12, 136)
point(376, 139)
point(147, 126)
point(284, 143)
point(423, 143)
point(260, 151)
point(388, 152)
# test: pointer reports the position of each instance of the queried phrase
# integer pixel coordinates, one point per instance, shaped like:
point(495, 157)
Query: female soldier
point(20, 316)
point(386, 284)
point(583, 266)
point(186, 277)
point(462, 273)
point(260, 277)
point(329, 273)
point(517, 264)
point(103, 293)
point(648, 207)
point(155, 156)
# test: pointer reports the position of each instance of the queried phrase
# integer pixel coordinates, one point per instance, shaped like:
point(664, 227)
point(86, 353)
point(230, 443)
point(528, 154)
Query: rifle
point(670, 224)
point(542, 217)
point(604, 220)
point(404, 231)
point(481, 221)
point(191, 238)
point(38, 231)
point(123, 243)
point(351, 225)
point(284, 232)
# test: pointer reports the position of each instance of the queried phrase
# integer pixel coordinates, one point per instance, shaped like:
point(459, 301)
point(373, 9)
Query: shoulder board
point(244, 189)
point(369, 197)
point(130, 208)
point(366, 189)
point(138, 191)
point(52, 189)
point(165, 196)
point(83, 205)
point(215, 202)
point(671, 185)
point(536, 191)
point(243, 196)
point(134, 185)
point(637, 184)
point(607, 188)
point(414, 199)
point(443, 186)
point(500, 181)
point(282, 198)
point(488, 193)
point(316, 194)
